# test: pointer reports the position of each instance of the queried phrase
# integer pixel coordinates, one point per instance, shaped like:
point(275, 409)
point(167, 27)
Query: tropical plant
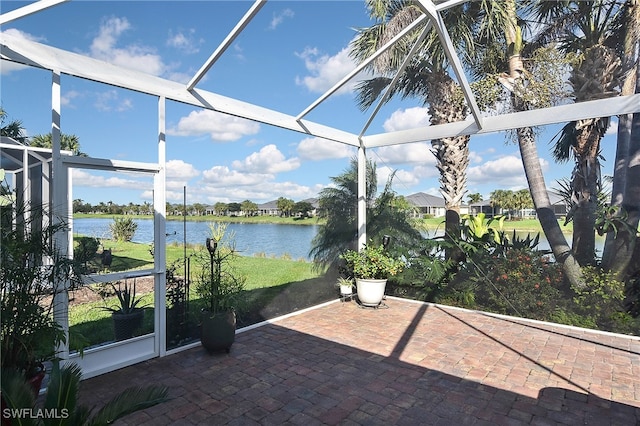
point(217, 281)
point(128, 302)
point(519, 282)
point(123, 228)
point(32, 271)
point(13, 129)
point(531, 84)
point(425, 76)
point(67, 142)
point(338, 207)
point(61, 400)
point(620, 250)
point(588, 31)
point(372, 262)
point(387, 214)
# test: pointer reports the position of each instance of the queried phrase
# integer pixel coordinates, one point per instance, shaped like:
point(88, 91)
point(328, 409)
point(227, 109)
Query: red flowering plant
point(519, 281)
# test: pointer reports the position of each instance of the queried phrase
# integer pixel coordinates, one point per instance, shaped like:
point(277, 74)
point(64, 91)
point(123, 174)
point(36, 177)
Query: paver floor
point(410, 364)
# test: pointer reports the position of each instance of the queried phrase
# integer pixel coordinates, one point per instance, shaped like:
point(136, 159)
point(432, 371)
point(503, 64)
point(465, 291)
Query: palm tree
point(67, 142)
point(338, 205)
point(388, 214)
point(12, 129)
point(427, 77)
point(474, 198)
point(588, 31)
point(500, 21)
point(619, 248)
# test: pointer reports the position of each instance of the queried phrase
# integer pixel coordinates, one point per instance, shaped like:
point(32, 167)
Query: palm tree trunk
point(530, 158)
point(546, 216)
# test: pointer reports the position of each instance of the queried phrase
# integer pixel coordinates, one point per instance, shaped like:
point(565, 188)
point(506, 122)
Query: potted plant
point(221, 288)
point(32, 271)
point(371, 267)
point(345, 285)
point(61, 402)
point(128, 314)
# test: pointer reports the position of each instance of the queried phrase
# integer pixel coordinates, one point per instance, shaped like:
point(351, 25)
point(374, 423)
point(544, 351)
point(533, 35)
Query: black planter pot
point(218, 332)
point(125, 325)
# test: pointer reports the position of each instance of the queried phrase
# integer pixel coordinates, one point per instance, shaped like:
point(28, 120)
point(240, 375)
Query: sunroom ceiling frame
point(42, 56)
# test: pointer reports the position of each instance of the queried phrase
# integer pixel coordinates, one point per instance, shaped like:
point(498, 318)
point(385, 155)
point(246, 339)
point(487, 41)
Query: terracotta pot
point(370, 292)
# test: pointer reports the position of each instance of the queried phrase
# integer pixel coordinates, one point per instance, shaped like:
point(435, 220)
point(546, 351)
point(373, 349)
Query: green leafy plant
point(521, 282)
point(372, 262)
point(123, 228)
point(128, 302)
point(218, 282)
point(32, 271)
point(61, 399)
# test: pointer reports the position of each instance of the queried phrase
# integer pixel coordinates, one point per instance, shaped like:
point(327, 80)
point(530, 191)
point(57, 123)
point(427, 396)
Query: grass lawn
point(274, 287)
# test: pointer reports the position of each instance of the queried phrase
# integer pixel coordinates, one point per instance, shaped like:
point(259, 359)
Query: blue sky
point(289, 55)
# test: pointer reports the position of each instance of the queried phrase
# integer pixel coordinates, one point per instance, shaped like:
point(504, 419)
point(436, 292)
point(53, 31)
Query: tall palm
point(501, 21)
point(387, 213)
point(426, 77)
point(619, 248)
point(338, 205)
point(588, 30)
point(13, 129)
point(67, 142)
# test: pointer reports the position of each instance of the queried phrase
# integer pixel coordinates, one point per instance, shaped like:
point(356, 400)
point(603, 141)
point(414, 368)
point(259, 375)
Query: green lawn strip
point(211, 218)
point(90, 324)
point(274, 287)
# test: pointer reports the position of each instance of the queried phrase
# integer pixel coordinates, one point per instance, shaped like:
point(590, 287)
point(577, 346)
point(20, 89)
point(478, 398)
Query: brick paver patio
point(410, 364)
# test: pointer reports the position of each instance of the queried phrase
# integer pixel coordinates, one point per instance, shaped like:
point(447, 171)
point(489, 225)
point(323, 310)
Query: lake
point(251, 238)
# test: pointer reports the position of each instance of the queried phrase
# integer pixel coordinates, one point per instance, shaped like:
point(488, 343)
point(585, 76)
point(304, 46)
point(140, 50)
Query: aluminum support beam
point(362, 66)
point(428, 8)
point(28, 10)
point(560, 114)
point(42, 56)
point(253, 11)
point(362, 197)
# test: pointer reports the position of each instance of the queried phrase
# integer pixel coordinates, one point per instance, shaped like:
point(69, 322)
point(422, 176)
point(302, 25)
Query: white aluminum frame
point(64, 62)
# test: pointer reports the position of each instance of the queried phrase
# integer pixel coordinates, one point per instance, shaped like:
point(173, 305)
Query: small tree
point(123, 229)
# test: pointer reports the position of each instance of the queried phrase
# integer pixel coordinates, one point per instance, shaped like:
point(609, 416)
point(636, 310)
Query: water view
point(251, 239)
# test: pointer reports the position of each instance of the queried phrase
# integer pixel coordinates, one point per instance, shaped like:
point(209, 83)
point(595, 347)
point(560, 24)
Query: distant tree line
point(286, 208)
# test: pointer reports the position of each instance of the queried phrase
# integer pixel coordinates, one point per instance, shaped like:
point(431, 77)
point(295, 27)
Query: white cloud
point(220, 127)
point(184, 41)
point(613, 128)
point(505, 171)
point(325, 70)
point(111, 101)
point(280, 17)
point(416, 153)
point(224, 176)
point(402, 177)
point(409, 118)
point(315, 149)
point(84, 178)
point(67, 97)
point(268, 160)
point(137, 57)
point(474, 157)
point(178, 169)
point(7, 66)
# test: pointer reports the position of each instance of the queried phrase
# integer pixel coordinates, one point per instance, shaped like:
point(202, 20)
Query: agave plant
point(60, 406)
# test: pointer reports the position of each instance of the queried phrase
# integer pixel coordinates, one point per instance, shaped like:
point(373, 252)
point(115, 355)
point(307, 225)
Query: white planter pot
point(346, 290)
point(370, 292)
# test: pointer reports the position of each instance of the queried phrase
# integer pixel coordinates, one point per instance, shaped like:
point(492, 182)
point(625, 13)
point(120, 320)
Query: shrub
point(602, 301)
point(123, 229)
point(522, 282)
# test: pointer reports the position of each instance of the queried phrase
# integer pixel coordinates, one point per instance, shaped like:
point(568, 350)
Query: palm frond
point(563, 142)
point(62, 391)
point(129, 401)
